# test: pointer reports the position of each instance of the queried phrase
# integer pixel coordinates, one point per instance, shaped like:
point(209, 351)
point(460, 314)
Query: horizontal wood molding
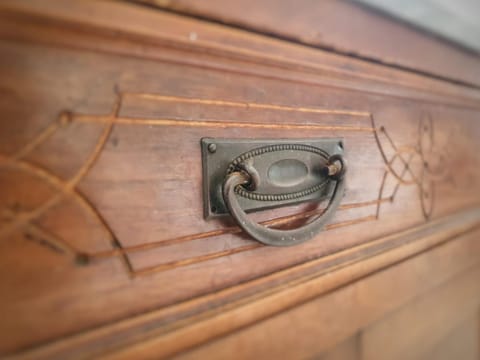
point(135, 24)
point(249, 303)
point(344, 27)
point(355, 308)
point(104, 106)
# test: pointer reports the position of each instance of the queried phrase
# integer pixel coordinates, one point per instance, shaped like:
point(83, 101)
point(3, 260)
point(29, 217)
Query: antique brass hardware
point(249, 175)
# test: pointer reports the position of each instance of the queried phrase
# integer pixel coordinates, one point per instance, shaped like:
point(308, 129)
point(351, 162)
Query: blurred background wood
point(455, 21)
point(350, 28)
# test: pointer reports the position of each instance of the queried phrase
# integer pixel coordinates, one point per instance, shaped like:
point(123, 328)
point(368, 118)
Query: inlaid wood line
point(208, 314)
point(41, 234)
point(391, 198)
point(296, 276)
point(380, 194)
point(66, 117)
point(56, 182)
point(306, 214)
point(246, 105)
point(423, 197)
point(398, 154)
point(281, 62)
point(216, 123)
point(215, 255)
point(310, 82)
point(65, 188)
point(54, 200)
point(189, 61)
point(39, 139)
point(229, 52)
point(422, 127)
point(413, 151)
point(285, 220)
point(219, 254)
point(194, 260)
point(404, 171)
point(113, 118)
point(202, 258)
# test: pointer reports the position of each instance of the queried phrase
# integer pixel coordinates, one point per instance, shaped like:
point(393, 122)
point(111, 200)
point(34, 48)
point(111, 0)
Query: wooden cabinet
point(104, 246)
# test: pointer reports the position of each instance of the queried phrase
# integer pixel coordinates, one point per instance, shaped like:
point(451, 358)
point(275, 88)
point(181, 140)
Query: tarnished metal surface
point(285, 171)
point(242, 177)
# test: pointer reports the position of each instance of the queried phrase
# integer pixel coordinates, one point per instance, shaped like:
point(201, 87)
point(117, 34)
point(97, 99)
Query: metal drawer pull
point(246, 175)
point(243, 176)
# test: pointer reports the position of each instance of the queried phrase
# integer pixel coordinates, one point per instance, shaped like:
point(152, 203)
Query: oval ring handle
point(277, 237)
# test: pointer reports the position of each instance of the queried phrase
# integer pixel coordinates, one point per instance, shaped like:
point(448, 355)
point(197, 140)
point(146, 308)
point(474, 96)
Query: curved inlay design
point(422, 151)
point(431, 169)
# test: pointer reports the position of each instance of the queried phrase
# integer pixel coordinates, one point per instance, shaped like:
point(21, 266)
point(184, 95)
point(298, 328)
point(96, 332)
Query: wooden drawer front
point(101, 181)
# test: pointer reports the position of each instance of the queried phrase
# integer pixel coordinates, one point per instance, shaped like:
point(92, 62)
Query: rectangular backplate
point(218, 153)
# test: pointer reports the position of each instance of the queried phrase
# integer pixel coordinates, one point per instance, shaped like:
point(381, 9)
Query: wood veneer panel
point(143, 30)
point(318, 325)
point(347, 350)
point(430, 326)
point(414, 330)
point(101, 181)
point(460, 343)
point(341, 26)
point(265, 304)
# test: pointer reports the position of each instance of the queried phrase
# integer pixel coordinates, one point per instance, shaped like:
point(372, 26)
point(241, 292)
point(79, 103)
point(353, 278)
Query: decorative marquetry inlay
point(420, 164)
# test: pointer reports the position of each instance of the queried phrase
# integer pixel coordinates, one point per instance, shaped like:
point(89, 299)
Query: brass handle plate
point(249, 175)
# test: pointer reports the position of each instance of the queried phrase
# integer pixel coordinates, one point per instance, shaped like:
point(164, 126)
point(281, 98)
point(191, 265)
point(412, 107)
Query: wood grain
point(416, 329)
point(461, 343)
point(301, 327)
point(102, 235)
point(150, 334)
point(344, 27)
point(347, 350)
